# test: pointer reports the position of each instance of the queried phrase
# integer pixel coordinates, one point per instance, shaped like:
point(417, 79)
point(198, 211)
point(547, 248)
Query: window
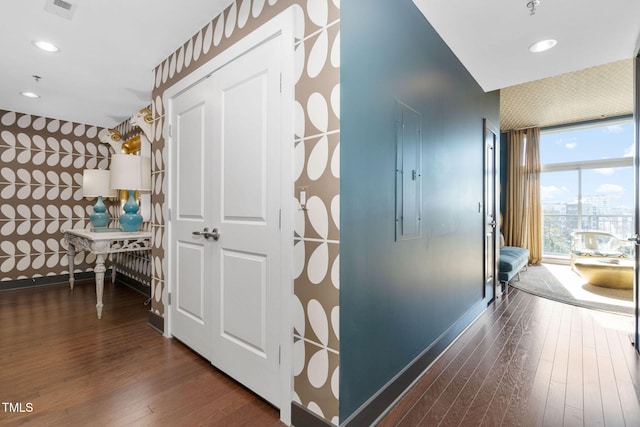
point(586, 182)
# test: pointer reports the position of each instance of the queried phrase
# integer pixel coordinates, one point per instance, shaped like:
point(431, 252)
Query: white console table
point(102, 244)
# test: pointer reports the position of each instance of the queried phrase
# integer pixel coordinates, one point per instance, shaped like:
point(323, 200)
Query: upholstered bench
point(512, 260)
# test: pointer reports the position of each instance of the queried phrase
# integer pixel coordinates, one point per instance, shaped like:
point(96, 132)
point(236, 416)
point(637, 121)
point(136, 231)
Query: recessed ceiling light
point(30, 94)
point(46, 46)
point(543, 45)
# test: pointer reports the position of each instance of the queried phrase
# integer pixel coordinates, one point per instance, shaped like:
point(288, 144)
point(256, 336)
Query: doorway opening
point(587, 196)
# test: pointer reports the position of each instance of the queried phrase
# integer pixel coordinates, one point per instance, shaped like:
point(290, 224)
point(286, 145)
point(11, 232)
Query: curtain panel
point(523, 213)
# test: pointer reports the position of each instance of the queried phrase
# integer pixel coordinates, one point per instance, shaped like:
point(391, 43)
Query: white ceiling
point(103, 73)
point(492, 37)
point(108, 50)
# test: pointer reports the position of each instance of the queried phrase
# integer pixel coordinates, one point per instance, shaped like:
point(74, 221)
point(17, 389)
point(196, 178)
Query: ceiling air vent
point(60, 8)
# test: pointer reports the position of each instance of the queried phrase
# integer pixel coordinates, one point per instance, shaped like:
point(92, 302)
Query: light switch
point(303, 196)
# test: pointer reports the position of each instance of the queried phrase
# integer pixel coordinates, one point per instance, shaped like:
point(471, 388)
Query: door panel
point(189, 299)
point(191, 151)
point(226, 175)
point(243, 296)
point(244, 140)
point(246, 148)
point(191, 310)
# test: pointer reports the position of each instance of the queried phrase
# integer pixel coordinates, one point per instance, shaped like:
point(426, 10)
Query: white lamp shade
point(126, 172)
point(146, 173)
point(96, 182)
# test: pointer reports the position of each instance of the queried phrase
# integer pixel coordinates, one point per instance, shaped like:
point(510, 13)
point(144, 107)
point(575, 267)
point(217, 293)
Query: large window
point(586, 182)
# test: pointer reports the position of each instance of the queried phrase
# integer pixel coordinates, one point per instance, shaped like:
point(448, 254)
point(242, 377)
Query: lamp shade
point(126, 172)
point(96, 182)
point(145, 167)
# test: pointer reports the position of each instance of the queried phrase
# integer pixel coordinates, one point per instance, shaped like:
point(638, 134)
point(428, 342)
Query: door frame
point(635, 338)
point(282, 25)
point(490, 129)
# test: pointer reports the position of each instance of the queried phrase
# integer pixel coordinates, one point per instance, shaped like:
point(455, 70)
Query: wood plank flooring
point(529, 361)
point(75, 370)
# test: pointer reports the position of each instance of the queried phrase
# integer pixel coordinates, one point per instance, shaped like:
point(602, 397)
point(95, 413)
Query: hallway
point(530, 361)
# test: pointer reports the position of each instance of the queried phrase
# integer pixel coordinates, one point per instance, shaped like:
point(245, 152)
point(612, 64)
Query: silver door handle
point(214, 234)
point(635, 239)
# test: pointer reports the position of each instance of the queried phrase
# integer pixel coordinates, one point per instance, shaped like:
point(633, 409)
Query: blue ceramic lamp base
point(100, 217)
point(131, 220)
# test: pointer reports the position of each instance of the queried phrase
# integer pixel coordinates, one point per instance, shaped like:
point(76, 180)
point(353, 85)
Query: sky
point(590, 143)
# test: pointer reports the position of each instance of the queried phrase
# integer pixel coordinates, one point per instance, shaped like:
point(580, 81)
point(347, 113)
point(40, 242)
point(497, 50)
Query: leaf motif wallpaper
point(317, 164)
point(42, 160)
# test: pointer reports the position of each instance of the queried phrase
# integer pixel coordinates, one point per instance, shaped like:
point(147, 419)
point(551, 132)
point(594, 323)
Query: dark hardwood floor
point(526, 361)
point(61, 366)
point(529, 361)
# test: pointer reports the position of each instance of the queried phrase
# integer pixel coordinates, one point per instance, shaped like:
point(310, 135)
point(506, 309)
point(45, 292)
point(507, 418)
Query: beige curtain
point(523, 213)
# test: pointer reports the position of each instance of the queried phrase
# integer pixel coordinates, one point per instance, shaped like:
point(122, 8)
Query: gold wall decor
point(132, 145)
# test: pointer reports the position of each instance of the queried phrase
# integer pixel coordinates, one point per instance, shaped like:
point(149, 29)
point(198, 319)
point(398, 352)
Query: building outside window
point(586, 182)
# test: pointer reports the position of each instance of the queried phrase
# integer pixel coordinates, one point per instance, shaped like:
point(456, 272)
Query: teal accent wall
point(398, 297)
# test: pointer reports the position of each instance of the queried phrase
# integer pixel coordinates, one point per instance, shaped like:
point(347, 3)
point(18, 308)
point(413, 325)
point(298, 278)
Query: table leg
point(72, 255)
point(99, 270)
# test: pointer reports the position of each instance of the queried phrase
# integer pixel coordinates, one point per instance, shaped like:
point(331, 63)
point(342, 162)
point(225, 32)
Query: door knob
point(201, 233)
point(214, 234)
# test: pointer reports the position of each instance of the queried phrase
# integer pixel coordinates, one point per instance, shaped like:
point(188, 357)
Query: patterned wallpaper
point(40, 187)
point(41, 190)
point(317, 164)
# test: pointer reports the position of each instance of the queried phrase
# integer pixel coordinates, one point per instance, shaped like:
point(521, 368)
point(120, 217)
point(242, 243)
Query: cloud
point(567, 142)
point(610, 190)
point(613, 129)
point(630, 151)
point(551, 191)
point(605, 171)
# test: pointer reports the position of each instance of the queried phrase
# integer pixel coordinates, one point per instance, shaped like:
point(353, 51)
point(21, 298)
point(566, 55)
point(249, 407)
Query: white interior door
point(191, 310)
point(226, 177)
point(246, 185)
